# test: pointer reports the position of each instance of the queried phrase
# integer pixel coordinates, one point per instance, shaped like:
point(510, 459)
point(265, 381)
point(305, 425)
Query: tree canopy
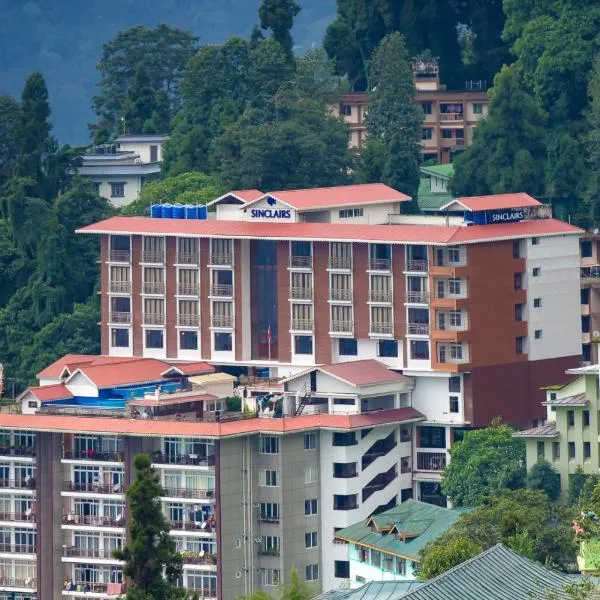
point(483, 464)
point(543, 477)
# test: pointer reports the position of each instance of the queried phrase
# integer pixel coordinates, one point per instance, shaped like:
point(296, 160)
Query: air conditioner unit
point(258, 540)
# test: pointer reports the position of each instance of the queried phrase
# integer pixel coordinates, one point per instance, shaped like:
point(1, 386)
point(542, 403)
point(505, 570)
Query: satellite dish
point(595, 334)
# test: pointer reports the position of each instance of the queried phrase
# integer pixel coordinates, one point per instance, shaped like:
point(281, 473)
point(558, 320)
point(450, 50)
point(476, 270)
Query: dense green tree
point(524, 520)
point(508, 150)
point(295, 589)
point(278, 16)
point(592, 143)
point(162, 52)
point(10, 111)
point(362, 24)
point(186, 188)
point(543, 477)
point(485, 462)
point(440, 558)
point(151, 560)
point(140, 105)
point(12, 266)
point(393, 119)
point(577, 482)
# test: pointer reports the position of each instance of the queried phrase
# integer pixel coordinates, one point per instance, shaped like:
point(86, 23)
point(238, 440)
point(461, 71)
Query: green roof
point(428, 200)
point(439, 170)
point(374, 590)
point(417, 524)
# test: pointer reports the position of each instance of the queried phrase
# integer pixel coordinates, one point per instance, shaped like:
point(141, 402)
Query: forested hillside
point(63, 39)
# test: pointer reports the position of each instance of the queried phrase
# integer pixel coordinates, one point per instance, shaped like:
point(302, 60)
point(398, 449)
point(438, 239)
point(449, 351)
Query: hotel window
point(454, 404)
point(267, 478)
point(518, 281)
point(223, 341)
point(153, 153)
point(538, 334)
point(540, 449)
point(349, 213)
point(586, 418)
point(348, 347)
point(188, 313)
point(311, 507)
point(346, 110)
point(516, 250)
point(340, 255)
point(427, 107)
point(586, 248)
point(571, 447)
point(311, 473)
point(310, 441)
point(381, 288)
point(381, 320)
point(311, 539)
point(221, 251)
point(453, 254)
point(154, 248)
point(387, 348)
point(341, 287)
point(119, 280)
point(536, 271)
point(520, 345)
point(571, 418)
point(477, 108)
point(555, 450)
point(345, 501)
point(120, 309)
point(269, 444)
point(535, 241)
point(154, 282)
point(427, 133)
point(154, 338)
point(312, 572)
point(269, 577)
point(537, 302)
point(454, 384)
point(187, 250)
point(302, 287)
point(454, 287)
point(270, 544)
point(587, 450)
point(222, 314)
point(419, 350)
point(341, 318)
point(447, 134)
point(117, 189)
point(269, 511)
point(188, 281)
point(342, 569)
point(302, 316)
point(154, 311)
point(119, 338)
point(455, 318)
point(188, 340)
point(303, 344)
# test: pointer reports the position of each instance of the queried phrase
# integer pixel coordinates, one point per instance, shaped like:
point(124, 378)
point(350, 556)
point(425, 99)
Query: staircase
point(306, 394)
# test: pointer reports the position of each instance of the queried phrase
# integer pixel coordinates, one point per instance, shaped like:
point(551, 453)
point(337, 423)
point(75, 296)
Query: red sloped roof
point(391, 234)
point(197, 368)
point(142, 370)
point(363, 372)
point(45, 393)
point(156, 427)
point(496, 201)
point(343, 195)
point(247, 195)
point(56, 368)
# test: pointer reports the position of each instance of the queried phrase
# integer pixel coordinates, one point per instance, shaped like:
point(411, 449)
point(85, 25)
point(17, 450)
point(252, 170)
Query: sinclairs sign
point(270, 211)
point(509, 215)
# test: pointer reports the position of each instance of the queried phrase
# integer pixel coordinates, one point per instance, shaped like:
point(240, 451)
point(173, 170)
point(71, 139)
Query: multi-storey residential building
point(590, 296)
point(450, 116)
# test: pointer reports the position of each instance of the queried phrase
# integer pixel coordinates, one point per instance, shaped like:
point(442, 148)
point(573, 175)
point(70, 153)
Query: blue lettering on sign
point(269, 213)
point(508, 215)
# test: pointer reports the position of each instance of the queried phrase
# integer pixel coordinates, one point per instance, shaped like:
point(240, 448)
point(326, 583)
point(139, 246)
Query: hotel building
point(382, 335)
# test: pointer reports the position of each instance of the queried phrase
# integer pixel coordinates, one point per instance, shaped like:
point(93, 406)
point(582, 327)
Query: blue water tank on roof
point(178, 211)
point(167, 211)
point(202, 212)
point(156, 211)
point(191, 211)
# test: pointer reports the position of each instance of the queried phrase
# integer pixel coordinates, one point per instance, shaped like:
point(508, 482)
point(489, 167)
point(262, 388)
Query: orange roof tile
point(495, 201)
point(391, 234)
point(247, 195)
point(142, 370)
point(57, 367)
point(343, 195)
point(156, 427)
point(363, 372)
point(45, 393)
point(196, 368)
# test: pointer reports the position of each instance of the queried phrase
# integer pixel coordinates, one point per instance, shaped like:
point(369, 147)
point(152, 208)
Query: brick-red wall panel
point(283, 303)
point(170, 301)
point(321, 306)
point(204, 300)
point(136, 298)
point(398, 261)
point(237, 300)
point(104, 297)
point(360, 282)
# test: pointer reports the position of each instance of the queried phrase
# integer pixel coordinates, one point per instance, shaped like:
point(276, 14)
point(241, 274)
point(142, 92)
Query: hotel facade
point(380, 336)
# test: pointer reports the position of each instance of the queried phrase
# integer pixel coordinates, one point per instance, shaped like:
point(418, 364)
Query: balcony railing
point(18, 548)
point(194, 558)
point(188, 289)
point(120, 287)
point(120, 317)
point(27, 516)
point(154, 287)
point(446, 355)
point(222, 321)
point(418, 328)
point(188, 525)
point(431, 461)
point(380, 296)
point(154, 319)
point(337, 262)
point(93, 521)
point(18, 484)
point(182, 459)
point(123, 256)
point(417, 297)
point(221, 259)
point(301, 293)
point(176, 492)
point(590, 272)
point(269, 552)
point(268, 519)
point(187, 258)
point(379, 483)
point(94, 488)
point(17, 450)
point(96, 588)
point(380, 264)
point(301, 262)
point(217, 289)
point(203, 593)
point(451, 116)
point(382, 328)
point(153, 256)
point(73, 551)
point(417, 266)
point(340, 295)
point(18, 582)
point(342, 326)
point(188, 320)
point(92, 454)
point(302, 324)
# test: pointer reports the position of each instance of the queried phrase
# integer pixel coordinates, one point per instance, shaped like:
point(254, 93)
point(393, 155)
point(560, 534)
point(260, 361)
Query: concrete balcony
point(153, 256)
point(92, 454)
point(17, 548)
point(224, 321)
point(120, 317)
point(27, 451)
point(188, 289)
point(221, 290)
point(340, 295)
point(188, 320)
point(75, 552)
point(342, 327)
point(417, 328)
point(221, 259)
point(187, 258)
point(160, 458)
point(93, 521)
point(302, 324)
point(343, 263)
point(416, 266)
point(382, 329)
point(154, 287)
point(122, 256)
point(176, 492)
point(451, 117)
point(380, 264)
point(301, 262)
point(23, 517)
point(381, 296)
point(120, 287)
point(417, 298)
point(93, 488)
point(431, 461)
point(18, 484)
point(18, 582)
point(154, 319)
point(301, 293)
